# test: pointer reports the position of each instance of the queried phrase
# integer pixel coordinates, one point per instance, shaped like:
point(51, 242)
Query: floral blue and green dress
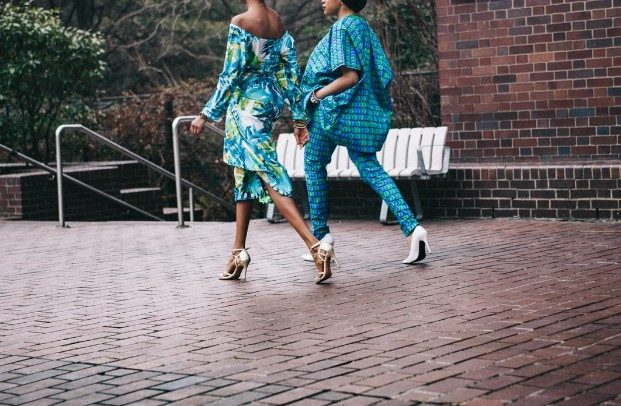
point(260, 75)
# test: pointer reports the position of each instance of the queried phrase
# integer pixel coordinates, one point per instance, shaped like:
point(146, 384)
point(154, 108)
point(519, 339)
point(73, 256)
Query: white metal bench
point(408, 153)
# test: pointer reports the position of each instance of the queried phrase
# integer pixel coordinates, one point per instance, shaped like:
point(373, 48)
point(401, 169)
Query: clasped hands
point(300, 133)
point(301, 136)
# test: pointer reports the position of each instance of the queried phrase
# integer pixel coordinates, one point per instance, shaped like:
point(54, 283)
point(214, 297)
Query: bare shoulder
point(277, 22)
point(266, 24)
point(238, 20)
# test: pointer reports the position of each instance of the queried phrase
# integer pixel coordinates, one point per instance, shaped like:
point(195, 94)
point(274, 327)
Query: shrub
point(47, 71)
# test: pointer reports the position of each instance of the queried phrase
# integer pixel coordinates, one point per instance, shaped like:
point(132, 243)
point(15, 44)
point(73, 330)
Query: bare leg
point(243, 209)
point(286, 206)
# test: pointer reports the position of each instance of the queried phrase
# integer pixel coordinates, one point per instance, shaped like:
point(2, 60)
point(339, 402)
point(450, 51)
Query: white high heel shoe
point(419, 246)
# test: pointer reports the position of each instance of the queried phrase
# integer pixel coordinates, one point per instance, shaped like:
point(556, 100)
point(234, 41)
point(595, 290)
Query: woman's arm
point(288, 79)
point(349, 77)
point(234, 63)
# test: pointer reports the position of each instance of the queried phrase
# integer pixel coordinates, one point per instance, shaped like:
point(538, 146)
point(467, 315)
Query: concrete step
point(171, 213)
point(148, 199)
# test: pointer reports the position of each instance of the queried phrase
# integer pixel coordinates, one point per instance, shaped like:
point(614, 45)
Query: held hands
point(301, 136)
point(197, 125)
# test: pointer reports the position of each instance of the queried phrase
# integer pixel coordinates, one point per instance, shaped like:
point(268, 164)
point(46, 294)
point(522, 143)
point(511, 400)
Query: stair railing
point(53, 171)
point(178, 181)
point(103, 140)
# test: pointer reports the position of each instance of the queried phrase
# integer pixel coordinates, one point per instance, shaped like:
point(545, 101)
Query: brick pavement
point(132, 313)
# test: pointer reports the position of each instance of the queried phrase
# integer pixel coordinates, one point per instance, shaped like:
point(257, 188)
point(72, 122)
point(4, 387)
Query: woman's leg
point(322, 253)
point(317, 155)
point(243, 209)
point(239, 259)
point(246, 185)
point(372, 173)
point(286, 206)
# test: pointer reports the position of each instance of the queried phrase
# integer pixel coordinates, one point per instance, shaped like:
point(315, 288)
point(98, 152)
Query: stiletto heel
point(419, 246)
point(328, 239)
point(323, 254)
point(245, 265)
point(238, 262)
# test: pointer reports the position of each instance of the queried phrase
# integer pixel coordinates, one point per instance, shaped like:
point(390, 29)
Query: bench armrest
point(445, 161)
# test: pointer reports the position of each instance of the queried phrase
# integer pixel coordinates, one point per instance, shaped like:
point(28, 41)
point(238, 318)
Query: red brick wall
point(10, 197)
point(531, 80)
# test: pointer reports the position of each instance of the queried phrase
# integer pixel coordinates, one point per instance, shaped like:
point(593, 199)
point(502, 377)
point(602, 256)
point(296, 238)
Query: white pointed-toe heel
point(419, 246)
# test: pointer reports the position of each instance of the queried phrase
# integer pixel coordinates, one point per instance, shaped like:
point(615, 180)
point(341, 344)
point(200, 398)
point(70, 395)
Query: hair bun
point(355, 5)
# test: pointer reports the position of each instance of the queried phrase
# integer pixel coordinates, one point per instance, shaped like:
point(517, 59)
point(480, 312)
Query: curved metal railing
point(103, 140)
point(178, 181)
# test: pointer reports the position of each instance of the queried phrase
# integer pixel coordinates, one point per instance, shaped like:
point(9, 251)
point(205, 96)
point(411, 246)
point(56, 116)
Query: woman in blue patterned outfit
point(347, 82)
point(260, 74)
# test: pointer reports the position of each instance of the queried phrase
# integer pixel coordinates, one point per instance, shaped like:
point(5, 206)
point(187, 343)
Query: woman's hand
point(301, 135)
point(197, 125)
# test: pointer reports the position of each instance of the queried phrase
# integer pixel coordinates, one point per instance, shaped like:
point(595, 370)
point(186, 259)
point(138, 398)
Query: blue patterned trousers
point(317, 155)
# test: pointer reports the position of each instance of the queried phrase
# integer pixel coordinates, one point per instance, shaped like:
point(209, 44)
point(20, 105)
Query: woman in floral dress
point(260, 75)
point(347, 86)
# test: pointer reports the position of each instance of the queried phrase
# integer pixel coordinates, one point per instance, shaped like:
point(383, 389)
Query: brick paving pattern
point(503, 311)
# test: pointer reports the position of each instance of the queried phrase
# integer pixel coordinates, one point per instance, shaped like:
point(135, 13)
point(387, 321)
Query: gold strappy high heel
point(238, 262)
point(323, 254)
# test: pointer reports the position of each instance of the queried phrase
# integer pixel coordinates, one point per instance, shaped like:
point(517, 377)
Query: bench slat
point(390, 150)
point(426, 144)
point(437, 153)
point(415, 140)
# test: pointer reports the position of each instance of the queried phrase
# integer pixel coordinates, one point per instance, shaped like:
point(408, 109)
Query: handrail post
point(175, 126)
point(191, 197)
point(178, 180)
point(59, 178)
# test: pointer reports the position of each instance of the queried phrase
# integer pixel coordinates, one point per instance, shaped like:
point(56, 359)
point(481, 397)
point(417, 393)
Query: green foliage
point(143, 125)
point(47, 70)
point(407, 29)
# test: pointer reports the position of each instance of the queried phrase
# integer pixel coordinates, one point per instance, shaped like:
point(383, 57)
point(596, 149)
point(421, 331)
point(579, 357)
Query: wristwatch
point(203, 116)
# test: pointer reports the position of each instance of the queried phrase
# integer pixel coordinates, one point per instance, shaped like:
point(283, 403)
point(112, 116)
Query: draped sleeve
point(234, 65)
point(288, 78)
point(344, 50)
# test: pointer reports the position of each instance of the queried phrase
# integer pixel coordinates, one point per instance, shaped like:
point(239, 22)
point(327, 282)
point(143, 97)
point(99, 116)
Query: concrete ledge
point(556, 190)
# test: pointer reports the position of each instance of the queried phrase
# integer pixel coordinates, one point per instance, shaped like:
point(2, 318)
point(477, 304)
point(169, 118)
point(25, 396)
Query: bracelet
point(203, 116)
point(299, 123)
point(314, 99)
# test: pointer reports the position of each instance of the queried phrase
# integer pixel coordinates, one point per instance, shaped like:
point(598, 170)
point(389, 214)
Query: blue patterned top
point(358, 118)
point(259, 76)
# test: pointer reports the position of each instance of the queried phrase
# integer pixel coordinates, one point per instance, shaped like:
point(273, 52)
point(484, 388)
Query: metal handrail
point(76, 181)
point(100, 138)
point(178, 181)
